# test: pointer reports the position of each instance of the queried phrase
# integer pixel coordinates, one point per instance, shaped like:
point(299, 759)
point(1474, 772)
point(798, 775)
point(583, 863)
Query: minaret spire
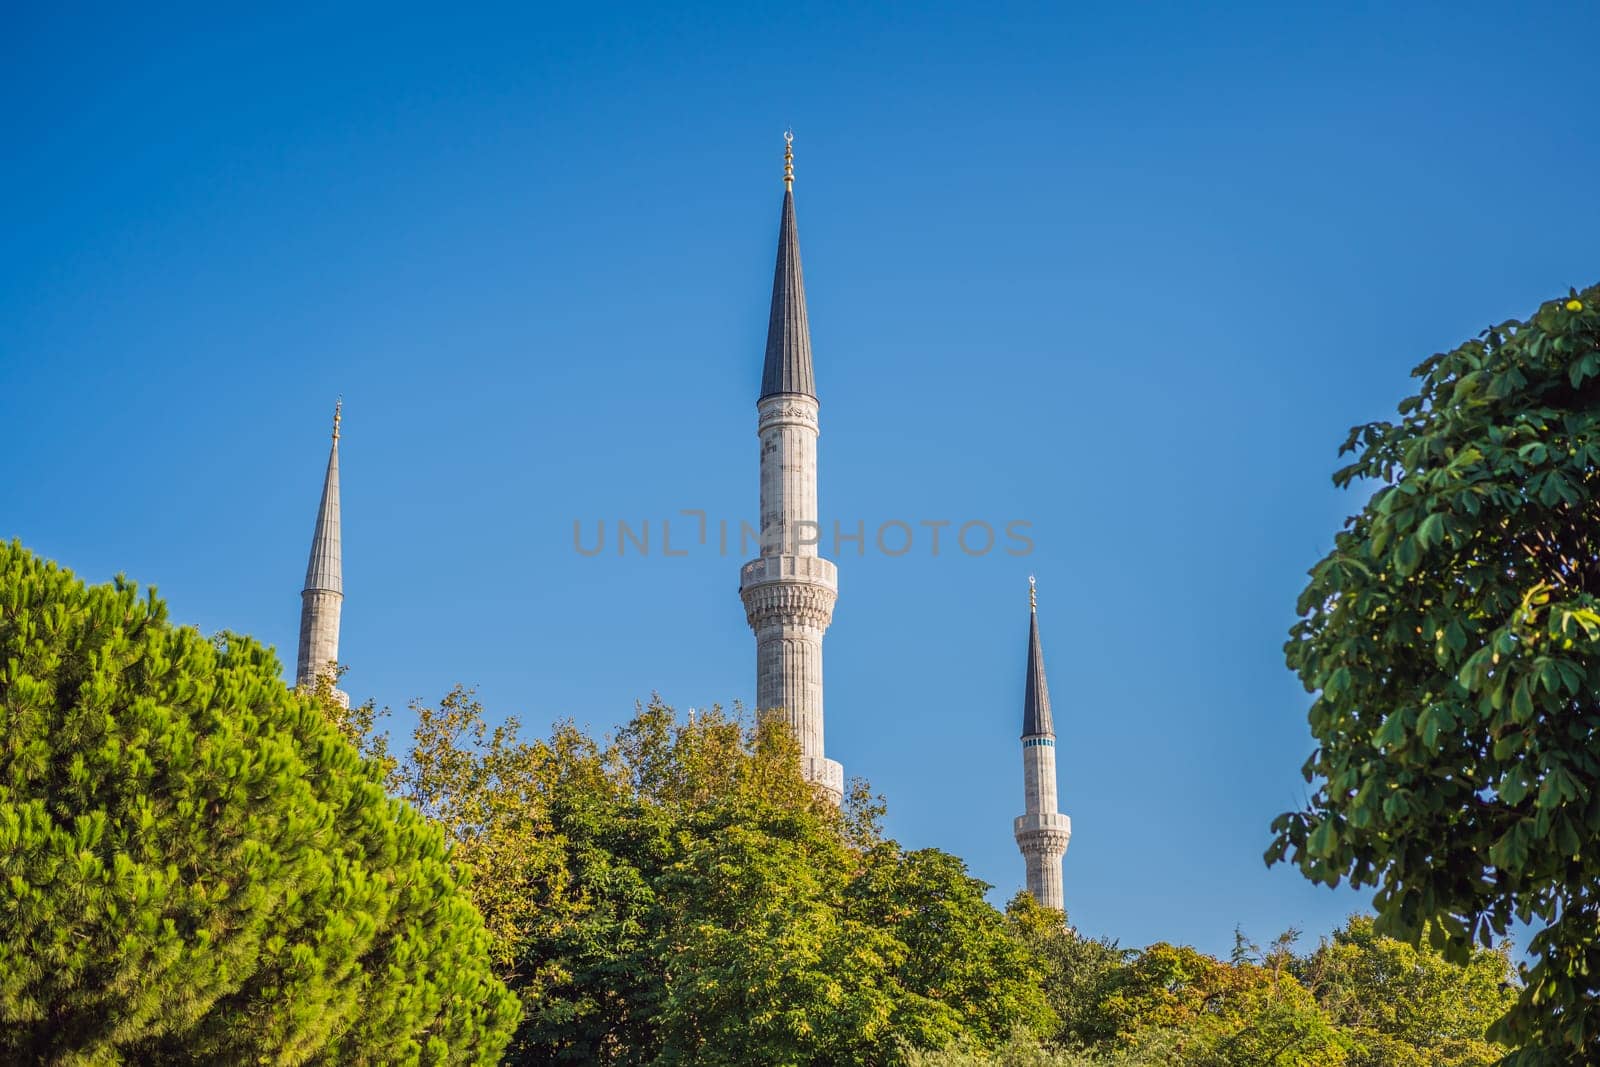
point(323, 596)
point(789, 590)
point(1036, 694)
point(788, 364)
point(1042, 832)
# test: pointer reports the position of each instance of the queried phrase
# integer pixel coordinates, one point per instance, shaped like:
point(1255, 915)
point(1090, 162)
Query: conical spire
point(788, 365)
point(324, 570)
point(1036, 698)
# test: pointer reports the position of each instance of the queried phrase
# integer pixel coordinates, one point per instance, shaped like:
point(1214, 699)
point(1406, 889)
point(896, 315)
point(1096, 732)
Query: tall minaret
point(1043, 832)
point(789, 590)
point(323, 595)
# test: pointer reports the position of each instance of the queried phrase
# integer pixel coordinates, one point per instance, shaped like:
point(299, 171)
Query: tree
point(1450, 638)
point(1357, 1000)
point(761, 963)
point(961, 972)
point(1170, 1005)
point(1024, 1049)
point(1407, 1007)
point(1076, 973)
point(679, 894)
point(1214, 1014)
point(195, 867)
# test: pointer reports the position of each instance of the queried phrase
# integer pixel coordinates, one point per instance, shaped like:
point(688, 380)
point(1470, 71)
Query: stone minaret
point(789, 590)
point(1043, 832)
point(323, 595)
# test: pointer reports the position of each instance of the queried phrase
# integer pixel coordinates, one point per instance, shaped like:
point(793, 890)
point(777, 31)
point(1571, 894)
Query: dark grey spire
point(1036, 698)
point(788, 365)
point(324, 570)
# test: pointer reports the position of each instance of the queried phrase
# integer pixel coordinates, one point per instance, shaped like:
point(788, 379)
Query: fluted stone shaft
point(319, 637)
point(1039, 775)
point(1043, 839)
point(1043, 833)
point(787, 426)
point(789, 590)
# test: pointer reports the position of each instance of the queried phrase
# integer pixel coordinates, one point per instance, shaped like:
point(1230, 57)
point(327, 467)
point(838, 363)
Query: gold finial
point(788, 160)
point(1033, 594)
point(338, 407)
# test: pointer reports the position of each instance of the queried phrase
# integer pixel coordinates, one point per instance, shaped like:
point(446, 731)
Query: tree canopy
point(1357, 1000)
point(678, 893)
point(1202, 1011)
point(196, 867)
point(1451, 639)
point(1401, 1006)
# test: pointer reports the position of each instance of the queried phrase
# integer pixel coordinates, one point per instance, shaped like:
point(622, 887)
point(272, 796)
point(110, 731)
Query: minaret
point(1043, 832)
point(323, 595)
point(789, 590)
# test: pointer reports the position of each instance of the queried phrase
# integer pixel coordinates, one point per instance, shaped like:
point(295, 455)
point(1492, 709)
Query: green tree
point(1024, 1049)
point(1205, 1013)
point(1166, 1006)
point(761, 962)
point(1450, 638)
point(194, 867)
point(1402, 1006)
point(1357, 1000)
point(679, 894)
point(1076, 973)
point(959, 970)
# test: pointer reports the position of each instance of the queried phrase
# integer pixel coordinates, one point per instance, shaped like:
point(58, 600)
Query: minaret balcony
point(1045, 834)
point(827, 773)
point(810, 570)
point(1042, 822)
point(785, 591)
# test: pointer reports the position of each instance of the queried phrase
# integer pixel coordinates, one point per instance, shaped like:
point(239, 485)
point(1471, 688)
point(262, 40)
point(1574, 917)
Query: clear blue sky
point(1126, 272)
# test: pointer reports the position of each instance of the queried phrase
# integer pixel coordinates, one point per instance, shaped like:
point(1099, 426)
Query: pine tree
point(196, 867)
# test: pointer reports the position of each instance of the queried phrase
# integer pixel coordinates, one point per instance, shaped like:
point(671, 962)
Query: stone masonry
point(1042, 832)
point(789, 590)
point(322, 599)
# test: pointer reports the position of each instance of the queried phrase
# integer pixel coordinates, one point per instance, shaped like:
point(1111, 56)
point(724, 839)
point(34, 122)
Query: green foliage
point(1451, 639)
point(1215, 1014)
point(1174, 1005)
point(1024, 1049)
point(679, 894)
point(1405, 1007)
point(961, 967)
point(1358, 1000)
point(1076, 973)
point(194, 867)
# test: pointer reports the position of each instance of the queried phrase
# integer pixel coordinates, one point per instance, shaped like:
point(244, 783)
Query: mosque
point(788, 590)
